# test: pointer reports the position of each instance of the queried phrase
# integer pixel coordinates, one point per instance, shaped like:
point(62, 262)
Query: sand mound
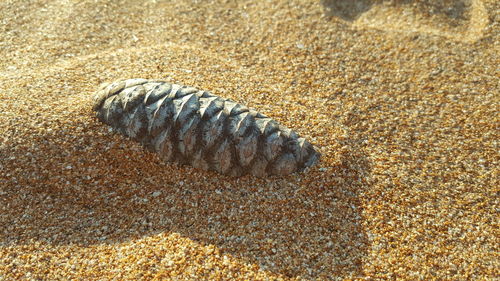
point(463, 20)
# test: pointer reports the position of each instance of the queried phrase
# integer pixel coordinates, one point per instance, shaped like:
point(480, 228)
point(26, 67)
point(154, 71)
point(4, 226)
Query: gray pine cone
point(195, 127)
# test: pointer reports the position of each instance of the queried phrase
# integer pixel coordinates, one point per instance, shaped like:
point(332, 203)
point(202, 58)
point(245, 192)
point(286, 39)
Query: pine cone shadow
point(295, 226)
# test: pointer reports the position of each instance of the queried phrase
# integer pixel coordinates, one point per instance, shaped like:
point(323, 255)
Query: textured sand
point(402, 97)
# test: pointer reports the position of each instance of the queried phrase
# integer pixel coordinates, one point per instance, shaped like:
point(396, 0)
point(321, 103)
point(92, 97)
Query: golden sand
point(402, 97)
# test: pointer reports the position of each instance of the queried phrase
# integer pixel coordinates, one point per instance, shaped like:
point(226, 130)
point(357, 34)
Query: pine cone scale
point(158, 92)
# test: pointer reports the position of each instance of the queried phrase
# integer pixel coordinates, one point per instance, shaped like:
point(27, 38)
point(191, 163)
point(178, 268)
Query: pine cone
point(190, 126)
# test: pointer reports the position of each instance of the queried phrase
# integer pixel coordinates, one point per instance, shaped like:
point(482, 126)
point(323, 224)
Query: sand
point(401, 97)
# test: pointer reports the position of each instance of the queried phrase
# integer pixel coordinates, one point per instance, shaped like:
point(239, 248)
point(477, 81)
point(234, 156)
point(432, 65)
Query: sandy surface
point(402, 97)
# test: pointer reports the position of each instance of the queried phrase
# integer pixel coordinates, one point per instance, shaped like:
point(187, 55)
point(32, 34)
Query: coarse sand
point(401, 97)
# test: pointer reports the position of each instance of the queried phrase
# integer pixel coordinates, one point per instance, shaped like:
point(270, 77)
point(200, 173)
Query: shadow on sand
point(350, 10)
point(52, 206)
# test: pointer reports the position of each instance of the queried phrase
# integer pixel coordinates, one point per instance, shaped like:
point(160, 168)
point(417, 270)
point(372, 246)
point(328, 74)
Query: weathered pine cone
point(195, 127)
